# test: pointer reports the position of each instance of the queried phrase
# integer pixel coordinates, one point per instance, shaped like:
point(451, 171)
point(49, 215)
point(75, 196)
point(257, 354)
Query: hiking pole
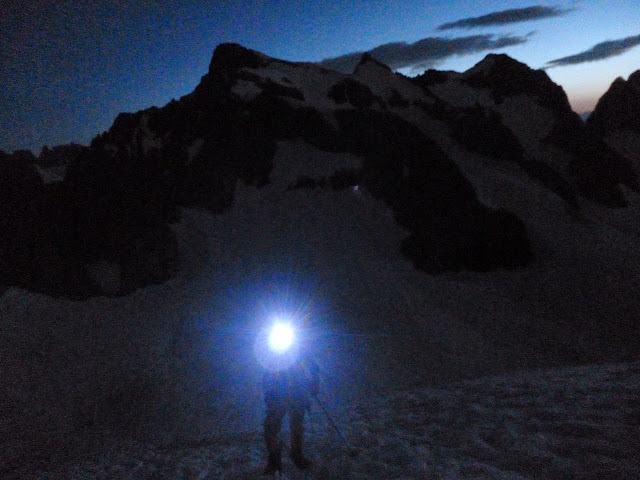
point(352, 451)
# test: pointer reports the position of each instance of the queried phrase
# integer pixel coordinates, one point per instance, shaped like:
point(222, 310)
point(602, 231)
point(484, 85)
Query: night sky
point(67, 68)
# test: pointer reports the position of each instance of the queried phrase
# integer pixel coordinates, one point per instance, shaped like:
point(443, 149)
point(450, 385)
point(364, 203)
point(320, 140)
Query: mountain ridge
point(193, 152)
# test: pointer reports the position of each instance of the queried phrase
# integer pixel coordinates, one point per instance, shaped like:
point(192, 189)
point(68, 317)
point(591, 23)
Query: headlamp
point(277, 346)
point(281, 337)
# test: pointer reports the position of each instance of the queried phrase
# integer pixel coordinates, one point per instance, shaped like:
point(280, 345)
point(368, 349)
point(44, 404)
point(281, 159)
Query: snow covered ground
point(163, 383)
point(581, 423)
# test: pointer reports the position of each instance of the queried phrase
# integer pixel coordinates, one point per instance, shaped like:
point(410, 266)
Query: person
point(288, 391)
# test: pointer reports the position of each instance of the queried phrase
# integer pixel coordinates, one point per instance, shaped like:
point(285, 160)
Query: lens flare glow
point(281, 337)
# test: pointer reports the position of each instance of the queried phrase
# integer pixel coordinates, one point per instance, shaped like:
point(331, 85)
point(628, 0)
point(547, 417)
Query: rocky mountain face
point(503, 109)
point(104, 228)
point(616, 119)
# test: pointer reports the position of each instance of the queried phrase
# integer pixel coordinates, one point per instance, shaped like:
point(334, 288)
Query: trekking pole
point(352, 451)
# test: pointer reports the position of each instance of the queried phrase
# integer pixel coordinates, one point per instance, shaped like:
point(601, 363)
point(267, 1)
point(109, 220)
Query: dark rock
point(481, 240)
point(481, 130)
point(430, 77)
point(618, 108)
point(276, 117)
point(270, 87)
point(354, 93)
point(59, 155)
point(344, 178)
point(313, 127)
point(24, 156)
point(339, 180)
point(305, 182)
point(37, 248)
point(367, 58)
point(148, 255)
point(231, 56)
point(273, 88)
point(595, 171)
point(397, 100)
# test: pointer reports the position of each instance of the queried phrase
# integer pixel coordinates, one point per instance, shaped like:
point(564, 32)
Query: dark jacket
point(292, 386)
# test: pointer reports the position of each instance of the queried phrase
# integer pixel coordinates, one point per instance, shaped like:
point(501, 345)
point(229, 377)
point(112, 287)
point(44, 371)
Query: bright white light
point(281, 337)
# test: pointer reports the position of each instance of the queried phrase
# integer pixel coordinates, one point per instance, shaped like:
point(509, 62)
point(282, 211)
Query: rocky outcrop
point(366, 58)
point(60, 155)
point(618, 108)
point(354, 93)
point(506, 77)
point(233, 57)
point(616, 122)
point(501, 107)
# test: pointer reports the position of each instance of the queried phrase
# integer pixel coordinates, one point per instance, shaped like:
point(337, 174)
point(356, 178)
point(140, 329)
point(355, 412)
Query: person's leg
point(272, 425)
point(296, 420)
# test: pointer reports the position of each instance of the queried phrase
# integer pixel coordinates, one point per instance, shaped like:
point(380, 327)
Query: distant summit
point(616, 119)
point(507, 77)
point(618, 108)
point(368, 60)
point(502, 108)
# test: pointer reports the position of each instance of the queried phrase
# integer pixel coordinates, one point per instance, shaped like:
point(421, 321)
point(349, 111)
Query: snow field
point(580, 422)
point(171, 364)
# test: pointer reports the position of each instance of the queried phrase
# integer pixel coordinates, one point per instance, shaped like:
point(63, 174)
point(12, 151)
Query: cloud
point(600, 51)
point(506, 16)
point(426, 52)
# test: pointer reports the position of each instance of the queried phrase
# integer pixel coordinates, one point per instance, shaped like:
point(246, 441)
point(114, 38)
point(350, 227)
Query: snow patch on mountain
point(194, 149)
point(51, 174)
point(148, 137)
point(311, 81)
point(520, 110)
point(246, 90)
point(383, 82)
point(506, 185)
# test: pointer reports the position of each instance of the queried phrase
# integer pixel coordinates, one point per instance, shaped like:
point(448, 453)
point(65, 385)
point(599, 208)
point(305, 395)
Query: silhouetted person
point(288, 390)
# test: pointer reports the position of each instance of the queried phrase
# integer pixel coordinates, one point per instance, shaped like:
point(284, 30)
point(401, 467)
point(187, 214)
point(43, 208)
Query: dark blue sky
point(67, 68)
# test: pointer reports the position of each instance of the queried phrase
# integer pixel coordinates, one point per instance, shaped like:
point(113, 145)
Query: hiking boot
point(274, 464)
point(300, 461)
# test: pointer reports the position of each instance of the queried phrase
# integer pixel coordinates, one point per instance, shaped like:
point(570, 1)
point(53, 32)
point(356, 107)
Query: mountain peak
point(618, 107)
point(498, 64)
point(368, 61)
point(232, 56)
point(506, 76)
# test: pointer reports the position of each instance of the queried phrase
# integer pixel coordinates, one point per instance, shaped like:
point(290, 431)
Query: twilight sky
point(68, 67)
